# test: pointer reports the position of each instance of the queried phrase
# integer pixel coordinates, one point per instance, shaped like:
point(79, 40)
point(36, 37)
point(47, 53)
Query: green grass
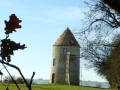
point(50, 87)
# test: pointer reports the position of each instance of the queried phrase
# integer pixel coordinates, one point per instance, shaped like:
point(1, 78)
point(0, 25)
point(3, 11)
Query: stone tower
point(65, 59)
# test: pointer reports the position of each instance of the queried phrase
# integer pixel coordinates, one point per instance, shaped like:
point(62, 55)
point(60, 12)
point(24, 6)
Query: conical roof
point(66, 39)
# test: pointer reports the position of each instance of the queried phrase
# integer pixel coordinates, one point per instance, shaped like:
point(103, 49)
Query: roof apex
point(66, 39)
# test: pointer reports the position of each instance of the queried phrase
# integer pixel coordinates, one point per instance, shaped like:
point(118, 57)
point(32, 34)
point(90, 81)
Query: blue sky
point(43, 21)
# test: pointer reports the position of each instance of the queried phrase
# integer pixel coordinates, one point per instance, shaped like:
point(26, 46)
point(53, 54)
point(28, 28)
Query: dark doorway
point(53, 77)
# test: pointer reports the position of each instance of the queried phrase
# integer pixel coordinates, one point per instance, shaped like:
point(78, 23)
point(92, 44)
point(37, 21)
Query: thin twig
point(13, 66)
point(11, 76)
point(31, 79)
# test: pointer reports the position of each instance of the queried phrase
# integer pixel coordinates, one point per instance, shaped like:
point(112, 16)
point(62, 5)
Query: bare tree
point(101, 25)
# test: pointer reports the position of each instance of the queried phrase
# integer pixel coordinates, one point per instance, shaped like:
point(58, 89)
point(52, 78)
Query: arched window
point(55, 62)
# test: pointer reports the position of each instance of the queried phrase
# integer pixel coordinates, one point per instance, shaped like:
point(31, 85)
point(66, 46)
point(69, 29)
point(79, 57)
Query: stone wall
point(60, 67)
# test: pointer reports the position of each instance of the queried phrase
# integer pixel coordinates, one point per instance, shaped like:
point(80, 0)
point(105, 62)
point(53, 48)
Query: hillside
point(82, 83)
point(49, 87)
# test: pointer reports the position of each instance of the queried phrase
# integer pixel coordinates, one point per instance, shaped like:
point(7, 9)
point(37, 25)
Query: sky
point(43, 21)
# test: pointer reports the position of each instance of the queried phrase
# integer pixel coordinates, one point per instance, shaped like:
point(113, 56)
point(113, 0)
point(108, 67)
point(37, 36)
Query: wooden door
point(53, 77)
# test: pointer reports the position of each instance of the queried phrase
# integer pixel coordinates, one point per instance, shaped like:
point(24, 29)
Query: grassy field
point(50, 87)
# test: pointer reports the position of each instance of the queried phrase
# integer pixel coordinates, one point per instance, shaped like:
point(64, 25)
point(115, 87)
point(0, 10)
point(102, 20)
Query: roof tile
point(66, 39)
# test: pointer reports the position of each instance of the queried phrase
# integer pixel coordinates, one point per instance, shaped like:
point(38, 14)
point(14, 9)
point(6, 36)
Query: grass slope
point(49, 87)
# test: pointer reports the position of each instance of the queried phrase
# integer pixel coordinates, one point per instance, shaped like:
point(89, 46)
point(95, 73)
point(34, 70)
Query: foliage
point(7, 79)
point(114, 4)
point(98, 47)
point(98, 85)
point(19, 80)
point(12, 24)
point(111, 65)
point(7, 49)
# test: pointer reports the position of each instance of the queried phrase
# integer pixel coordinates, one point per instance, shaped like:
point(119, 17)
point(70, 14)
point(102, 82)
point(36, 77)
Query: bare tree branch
point(11, 76)
point(17, 68)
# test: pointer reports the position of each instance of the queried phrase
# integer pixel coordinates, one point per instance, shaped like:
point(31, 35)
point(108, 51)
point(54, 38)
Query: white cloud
point(64, 14)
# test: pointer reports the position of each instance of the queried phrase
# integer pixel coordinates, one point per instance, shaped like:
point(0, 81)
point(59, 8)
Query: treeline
point(109, 67)
point(8, 79)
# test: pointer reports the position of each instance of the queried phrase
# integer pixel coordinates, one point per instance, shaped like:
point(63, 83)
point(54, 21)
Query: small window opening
point(64, 50)
point(54, 62)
